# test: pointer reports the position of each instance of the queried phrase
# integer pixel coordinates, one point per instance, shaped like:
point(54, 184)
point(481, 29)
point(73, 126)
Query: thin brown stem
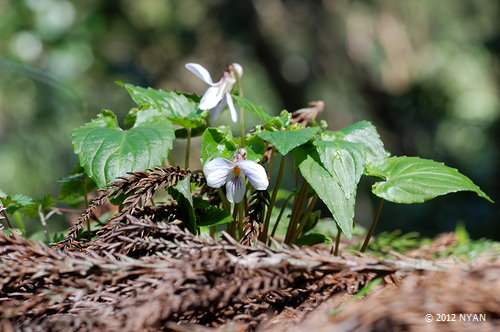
point(44, 224)
point(231, 227)
point(305, 218)
point(275, 227)
point(225, 202)
point(270, 162)
point(7, 219)
point(213, 232)
point(372, 227)
point(337, 241)
point(239, 223)
point(298, 206)
point(86, 200)
point(263, 235)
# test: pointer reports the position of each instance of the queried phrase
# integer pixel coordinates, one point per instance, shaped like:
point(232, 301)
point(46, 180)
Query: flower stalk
point(337, 241)
point(372, 227)
point(188, 148)
point(305, 218)
point(275, 227)
point(297, 207)
point(263, 235)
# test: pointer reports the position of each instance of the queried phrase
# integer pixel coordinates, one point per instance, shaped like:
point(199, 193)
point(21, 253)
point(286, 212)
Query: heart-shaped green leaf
point(177, 107)
point(217, 143)
point(286, 140)
point(365, 133)
point(259, 111)
point(326, 187)
point(106, 151)
point(415, 180)
point(345, 161)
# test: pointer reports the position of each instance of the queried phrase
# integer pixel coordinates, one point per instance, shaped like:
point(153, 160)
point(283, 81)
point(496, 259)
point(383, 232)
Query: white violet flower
point(220, 171)
point(218, 95)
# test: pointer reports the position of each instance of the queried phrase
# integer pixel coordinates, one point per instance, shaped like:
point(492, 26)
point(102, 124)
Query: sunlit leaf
point(326, 187)
point(345, 161)
point(177, 107)
point(259, 111)
point(286, 140)
point(365, 133)
point(217, 143)
point(16, 202)
point(106, 151)
point(255, 147)
point(415, 180)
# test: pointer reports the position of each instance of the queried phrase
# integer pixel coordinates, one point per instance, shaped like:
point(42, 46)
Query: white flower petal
point(216, 171)
point(256, 174)
point(217, 110)
point(211, 98)
point(232, 109)
point(201, 72)
point(235, 187)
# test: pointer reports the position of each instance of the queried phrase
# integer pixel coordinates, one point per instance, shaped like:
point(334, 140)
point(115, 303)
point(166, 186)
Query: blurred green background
point(425, 72)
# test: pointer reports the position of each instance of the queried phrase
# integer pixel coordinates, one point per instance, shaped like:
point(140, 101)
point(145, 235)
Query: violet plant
point(328, 164)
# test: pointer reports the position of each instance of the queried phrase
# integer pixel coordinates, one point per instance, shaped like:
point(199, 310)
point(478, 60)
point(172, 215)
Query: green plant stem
point(279, 217)
point(263, 235)
point(270, 163)
point(7, 219)
point(298, 205)
point(225, 202)
point(241, 214)
point(242, 110)
point(20, 222)
point(305, 218)
point(213, 232)
point(231, 227)
point(86, 200)
point(188, 148)
point(337, 241)
point(372, 227)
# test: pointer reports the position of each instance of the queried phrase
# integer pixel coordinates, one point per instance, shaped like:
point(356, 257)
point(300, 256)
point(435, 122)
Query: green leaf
point(177, 107)
point(217, 143)
point(312, 239)
point(195, 132)
point(10, 232)
point(286, 140)
point(259, 111)
point(365, 133)
point(255, 147)
point(345, 161)
point(16, 202)
point(213, 216)
point(415, 180)
point(72, 189)
point(326, 187)
point(106, 151)
point(181, 192)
